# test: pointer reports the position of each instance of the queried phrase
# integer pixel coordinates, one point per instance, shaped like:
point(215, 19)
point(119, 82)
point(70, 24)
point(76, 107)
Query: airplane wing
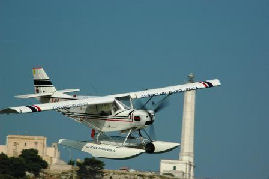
point(34, 95)
point(171, 89)
point(58, 105)
point(109, 99)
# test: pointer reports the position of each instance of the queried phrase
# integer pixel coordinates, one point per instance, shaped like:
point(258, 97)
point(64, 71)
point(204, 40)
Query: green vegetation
point(11, 166)
point(71, 162)
point(34, 163)
point(90, 168)
point(29, 161)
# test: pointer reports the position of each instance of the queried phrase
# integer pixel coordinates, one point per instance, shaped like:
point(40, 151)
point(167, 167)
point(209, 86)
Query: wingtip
point(215, 82)
point(218, 82)
point(8, 111)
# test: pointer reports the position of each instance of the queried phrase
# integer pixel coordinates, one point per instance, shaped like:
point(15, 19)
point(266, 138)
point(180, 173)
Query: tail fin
point(45, 92)
point(42, 83)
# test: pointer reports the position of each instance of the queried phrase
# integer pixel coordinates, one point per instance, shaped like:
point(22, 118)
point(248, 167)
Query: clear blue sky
point(105, 47)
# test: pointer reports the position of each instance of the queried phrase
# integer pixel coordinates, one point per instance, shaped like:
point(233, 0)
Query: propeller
point(157, 107)
point(152, 133)
point(140, 105)
point(161, 105)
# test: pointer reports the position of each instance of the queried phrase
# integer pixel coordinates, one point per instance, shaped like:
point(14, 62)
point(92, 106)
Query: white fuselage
point(109, 117)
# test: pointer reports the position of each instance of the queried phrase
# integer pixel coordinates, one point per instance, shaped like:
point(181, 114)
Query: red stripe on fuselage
point(112, 120)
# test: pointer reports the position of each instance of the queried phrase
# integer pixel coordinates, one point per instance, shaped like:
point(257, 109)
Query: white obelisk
point(184, 167)
point(187, 134)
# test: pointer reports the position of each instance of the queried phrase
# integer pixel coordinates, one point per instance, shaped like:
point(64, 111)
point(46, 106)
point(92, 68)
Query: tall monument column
point(184, 167)
point(187, 134)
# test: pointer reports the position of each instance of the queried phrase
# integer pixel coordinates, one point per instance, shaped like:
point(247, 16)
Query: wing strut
point(147, 102)
point(127, 137)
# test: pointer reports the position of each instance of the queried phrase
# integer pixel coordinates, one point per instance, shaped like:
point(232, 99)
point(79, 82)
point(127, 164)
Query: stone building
point(16, 143)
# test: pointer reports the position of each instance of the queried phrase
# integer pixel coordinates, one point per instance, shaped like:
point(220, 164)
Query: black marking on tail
point(42, 82)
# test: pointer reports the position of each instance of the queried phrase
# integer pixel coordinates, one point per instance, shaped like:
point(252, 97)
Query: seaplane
point(105, 114)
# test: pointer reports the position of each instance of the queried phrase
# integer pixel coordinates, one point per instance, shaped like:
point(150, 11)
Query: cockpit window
point(121, 105)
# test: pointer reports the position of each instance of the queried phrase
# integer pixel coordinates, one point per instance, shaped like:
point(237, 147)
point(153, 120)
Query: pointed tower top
point(191, 78)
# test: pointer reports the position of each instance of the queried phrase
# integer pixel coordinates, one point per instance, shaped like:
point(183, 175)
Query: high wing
point(171, 89)
point(109, 99)
point(58, 105)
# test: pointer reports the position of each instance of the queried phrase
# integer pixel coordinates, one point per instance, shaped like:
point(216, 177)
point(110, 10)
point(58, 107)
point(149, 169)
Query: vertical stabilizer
point(42, 83)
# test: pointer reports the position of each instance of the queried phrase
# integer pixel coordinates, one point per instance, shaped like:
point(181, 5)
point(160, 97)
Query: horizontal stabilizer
point(46, 94)
point(34, 95)
point(68, 90)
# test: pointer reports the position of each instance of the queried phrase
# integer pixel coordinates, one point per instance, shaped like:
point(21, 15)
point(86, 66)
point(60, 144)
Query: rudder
point(42, 83)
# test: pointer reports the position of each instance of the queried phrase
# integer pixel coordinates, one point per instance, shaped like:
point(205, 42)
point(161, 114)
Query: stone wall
point(16, 143)
point(118, 174)
point(108, 174)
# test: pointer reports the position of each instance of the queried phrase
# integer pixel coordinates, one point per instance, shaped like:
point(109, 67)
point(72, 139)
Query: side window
point(137, 118)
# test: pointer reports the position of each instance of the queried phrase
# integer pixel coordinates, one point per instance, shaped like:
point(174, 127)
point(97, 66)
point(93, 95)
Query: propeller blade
point(161, 106)
point(152, 133)
point(140, 105)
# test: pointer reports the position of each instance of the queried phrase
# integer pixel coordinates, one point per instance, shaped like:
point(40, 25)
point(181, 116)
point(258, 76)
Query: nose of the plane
point(151, 114)
point(150, 117)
